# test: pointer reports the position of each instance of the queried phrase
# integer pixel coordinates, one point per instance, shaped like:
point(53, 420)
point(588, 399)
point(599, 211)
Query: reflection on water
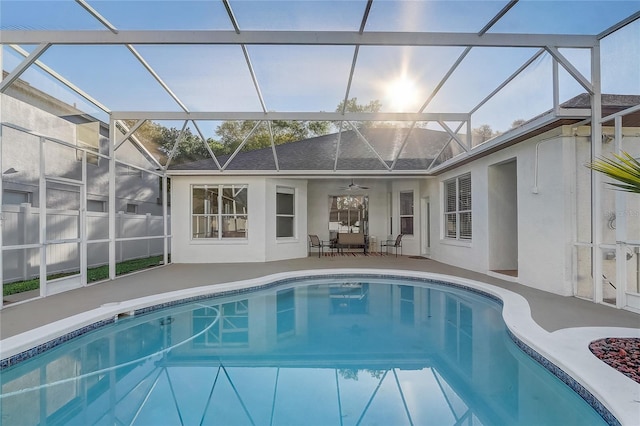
point(326, 353)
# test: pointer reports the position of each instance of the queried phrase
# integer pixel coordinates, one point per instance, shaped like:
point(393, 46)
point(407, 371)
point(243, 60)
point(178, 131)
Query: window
point(98, 206)
point(406, 212)
point(219, 211)
point(285, 202)
point(132, 209)
point(15, 197)
point(349, 213)
point(457, 208)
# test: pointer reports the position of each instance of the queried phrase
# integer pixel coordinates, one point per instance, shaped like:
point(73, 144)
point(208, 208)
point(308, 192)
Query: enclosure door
point(64, 250)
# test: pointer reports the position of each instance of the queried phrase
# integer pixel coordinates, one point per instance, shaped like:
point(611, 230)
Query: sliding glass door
point(348, 214)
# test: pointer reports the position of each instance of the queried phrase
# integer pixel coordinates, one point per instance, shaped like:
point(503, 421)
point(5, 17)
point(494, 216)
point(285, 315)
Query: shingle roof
point(422, 146)
point(608, 101)
point(319, 153)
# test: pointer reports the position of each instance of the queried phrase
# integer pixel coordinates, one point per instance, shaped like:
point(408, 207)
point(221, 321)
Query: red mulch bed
point(623, 354)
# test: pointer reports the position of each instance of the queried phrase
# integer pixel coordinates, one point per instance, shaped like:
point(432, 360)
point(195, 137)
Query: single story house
point(518, 206)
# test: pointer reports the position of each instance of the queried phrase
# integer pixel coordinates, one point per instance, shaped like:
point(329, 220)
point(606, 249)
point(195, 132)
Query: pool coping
point(564, 352)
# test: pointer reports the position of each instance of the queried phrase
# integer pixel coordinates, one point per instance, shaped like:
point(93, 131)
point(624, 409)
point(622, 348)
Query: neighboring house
point(517, 206)
point(28, 108)
point(30, 116)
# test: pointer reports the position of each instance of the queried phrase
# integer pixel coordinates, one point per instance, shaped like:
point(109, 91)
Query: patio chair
point(397, 244)
point(315, 242)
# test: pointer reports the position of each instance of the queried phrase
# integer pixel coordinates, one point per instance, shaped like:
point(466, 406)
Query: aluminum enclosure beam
point(245, 52)
point(338, 38)
point(301, 116)
point(508, 80)
point(503, 138)
point(496, 18)
point(22, 67)
point(155, 75)
point(62, 80)
point(86, 6)
point(575, 73)
point(622, 113)
point(612, 29)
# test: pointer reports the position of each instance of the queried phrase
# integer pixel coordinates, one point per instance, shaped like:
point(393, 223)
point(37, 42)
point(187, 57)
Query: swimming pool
point(331, 350)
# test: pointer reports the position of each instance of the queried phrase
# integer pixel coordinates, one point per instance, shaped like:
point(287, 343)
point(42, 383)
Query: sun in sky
point(402, 94)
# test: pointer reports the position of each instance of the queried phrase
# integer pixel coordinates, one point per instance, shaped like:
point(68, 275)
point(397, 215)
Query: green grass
point(93, 274)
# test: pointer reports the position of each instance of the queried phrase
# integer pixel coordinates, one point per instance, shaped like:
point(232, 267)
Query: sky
point(315, 78)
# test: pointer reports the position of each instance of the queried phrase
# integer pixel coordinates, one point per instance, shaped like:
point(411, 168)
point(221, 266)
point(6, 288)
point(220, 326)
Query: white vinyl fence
point(21, 227)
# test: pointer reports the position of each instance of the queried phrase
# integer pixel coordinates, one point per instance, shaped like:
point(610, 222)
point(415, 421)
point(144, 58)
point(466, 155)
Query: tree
point(233, 133)
point(483, 133)
point(161, 140)
point(352, 105)
point(149, 135)
point(190, 148)
point(517, 123)
point(623, 168)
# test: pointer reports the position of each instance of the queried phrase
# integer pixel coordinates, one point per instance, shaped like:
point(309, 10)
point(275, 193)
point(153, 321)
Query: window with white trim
point(406, 212)
point(98, 206)
point(219, 211)
point(132, 209)
point(457, 208)
point(15, 197)
point(285, 212)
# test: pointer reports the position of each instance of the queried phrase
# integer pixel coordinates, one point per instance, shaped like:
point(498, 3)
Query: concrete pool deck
point(558, 329)
point(550, 311)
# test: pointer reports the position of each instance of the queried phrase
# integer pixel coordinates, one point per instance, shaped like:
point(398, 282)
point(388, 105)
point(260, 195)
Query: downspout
point(536, 172)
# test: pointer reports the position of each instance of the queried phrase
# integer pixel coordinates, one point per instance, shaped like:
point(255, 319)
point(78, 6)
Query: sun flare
point(402, 93)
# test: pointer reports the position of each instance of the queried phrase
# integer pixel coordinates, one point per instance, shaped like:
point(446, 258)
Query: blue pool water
point(319, 352)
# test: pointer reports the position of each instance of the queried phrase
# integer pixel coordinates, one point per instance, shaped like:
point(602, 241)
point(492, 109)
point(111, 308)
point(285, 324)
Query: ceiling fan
point(354, 186)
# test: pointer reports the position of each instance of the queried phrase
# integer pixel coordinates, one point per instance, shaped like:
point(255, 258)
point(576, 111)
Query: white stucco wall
point(260, 244)
point(545, 219)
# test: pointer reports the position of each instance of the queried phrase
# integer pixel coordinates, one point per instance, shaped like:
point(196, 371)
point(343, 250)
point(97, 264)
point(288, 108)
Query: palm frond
point(623, 168)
